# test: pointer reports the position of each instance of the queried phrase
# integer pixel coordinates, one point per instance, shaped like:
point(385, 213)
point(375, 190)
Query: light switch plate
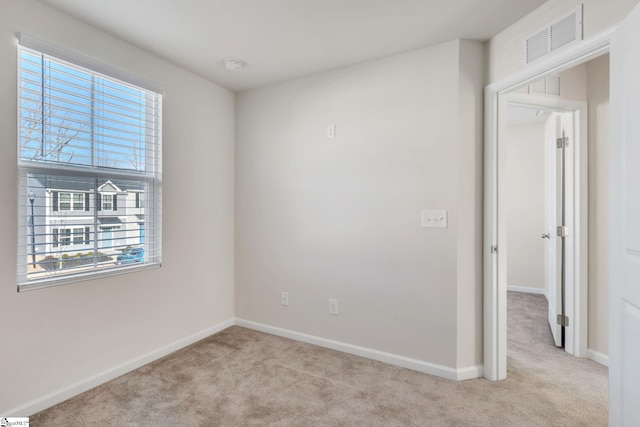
point(434, 219)
point(331, 131)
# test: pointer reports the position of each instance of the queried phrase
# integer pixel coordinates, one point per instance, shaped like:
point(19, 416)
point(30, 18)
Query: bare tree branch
point(50, 144)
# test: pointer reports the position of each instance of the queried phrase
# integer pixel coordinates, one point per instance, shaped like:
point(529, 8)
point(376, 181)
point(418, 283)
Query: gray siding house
point(72, 215)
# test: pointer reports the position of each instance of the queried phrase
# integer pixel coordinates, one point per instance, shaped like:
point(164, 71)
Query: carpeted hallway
point(239, 377)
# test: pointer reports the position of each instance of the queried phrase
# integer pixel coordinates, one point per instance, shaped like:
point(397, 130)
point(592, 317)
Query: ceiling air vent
point(537, 46)
point(554, 36)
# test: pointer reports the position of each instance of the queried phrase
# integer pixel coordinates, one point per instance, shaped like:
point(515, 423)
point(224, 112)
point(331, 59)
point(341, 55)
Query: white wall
point(58, 340)
point(339, 218)
point(599, 141)
point(505, 49)
point(471, 80)
point(526, 188)
point(525, 205)
point(573, 83)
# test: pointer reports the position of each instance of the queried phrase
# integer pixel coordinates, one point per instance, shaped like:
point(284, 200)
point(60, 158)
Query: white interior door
point(561, 140)
point(554, 245)
point(624, 351)
point(568, 140)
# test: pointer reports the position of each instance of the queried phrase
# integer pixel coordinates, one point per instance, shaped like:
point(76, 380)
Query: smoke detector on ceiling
point(233, 64)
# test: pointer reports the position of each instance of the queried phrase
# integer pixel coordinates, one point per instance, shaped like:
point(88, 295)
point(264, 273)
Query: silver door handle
point(545, 236)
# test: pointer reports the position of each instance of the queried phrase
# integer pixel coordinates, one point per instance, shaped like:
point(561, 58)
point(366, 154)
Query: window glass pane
point(72, 116)
point(78, 236)
point(65, 201)
point(63, 242)
point(78, 201)
point(65, 236)
point(107, 202)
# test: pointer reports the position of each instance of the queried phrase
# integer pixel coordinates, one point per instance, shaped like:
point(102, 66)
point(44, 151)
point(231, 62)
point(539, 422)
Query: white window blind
point(89, 163)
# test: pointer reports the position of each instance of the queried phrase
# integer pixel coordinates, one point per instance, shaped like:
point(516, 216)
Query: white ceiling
point(284, 39)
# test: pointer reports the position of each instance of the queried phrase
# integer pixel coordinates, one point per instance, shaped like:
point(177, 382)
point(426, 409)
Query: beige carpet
point(239, 377)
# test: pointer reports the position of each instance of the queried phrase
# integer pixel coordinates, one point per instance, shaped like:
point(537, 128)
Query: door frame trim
point(495, 283)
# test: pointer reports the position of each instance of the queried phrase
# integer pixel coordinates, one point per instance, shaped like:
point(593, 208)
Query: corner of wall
point(471, 81)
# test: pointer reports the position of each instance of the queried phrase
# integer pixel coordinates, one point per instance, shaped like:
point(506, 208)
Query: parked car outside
point(131, 255)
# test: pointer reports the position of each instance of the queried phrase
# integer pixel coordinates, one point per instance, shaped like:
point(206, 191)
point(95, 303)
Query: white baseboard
point(81, 386)
point(527, 290)
point(71, 390)
point(392, 359)
point(602, 359)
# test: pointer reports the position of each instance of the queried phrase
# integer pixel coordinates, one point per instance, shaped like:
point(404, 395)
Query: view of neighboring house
point(72, 215)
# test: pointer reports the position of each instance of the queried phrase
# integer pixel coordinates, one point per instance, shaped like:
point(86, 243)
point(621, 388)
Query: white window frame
point(150, 179)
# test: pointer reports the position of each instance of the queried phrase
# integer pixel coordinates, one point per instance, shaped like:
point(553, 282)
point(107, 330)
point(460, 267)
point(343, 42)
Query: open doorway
point(591, 314)
point(546, 211)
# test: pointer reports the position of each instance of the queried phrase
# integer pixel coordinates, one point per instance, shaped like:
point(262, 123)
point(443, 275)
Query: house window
point(107, 202)
point(64, 201)
point(78, 202)
point(70, 236)
point(71, 201)
point(84, 129)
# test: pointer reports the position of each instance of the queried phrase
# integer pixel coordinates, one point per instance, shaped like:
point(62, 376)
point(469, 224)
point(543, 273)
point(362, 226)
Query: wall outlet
point(284, 298)
point(333, 307)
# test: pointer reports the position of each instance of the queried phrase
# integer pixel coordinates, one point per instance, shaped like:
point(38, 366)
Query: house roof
point(109, 187)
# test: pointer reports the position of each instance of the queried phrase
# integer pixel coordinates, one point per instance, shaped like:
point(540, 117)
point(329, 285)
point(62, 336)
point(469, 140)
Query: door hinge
point(494, 249)
point(562, 142)
point(563, 320)
point(562, 231)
